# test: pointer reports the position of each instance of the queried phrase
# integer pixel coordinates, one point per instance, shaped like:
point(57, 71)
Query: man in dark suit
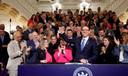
point(4, 40)
point(34, 44)
point(86, 47)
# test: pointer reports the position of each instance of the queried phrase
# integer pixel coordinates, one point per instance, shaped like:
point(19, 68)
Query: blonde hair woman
point(43, 54)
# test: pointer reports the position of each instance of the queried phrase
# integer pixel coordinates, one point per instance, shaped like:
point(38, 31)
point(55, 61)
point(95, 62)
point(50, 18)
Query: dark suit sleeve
point(25, 35)
point(40, 55)
point(31, 43)
point(94, 50)
point(77, 54)
point(5, 42)
point(66, 38)
point(63, 36)
point(8, 39)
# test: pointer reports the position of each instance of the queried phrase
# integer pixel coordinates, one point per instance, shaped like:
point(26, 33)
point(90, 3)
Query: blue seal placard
point(82, 71)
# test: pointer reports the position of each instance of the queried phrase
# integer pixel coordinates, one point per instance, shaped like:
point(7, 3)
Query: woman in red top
point(63, 54)
point(43, 54)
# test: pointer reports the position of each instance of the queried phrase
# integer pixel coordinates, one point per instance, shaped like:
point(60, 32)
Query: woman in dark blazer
point(106, 50)
point(43, 55)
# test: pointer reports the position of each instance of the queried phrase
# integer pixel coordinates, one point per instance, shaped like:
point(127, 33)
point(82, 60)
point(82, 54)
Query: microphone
point(10, 20)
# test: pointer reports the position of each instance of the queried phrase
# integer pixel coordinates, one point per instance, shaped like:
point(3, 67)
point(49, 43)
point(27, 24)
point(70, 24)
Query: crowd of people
point(96, 37)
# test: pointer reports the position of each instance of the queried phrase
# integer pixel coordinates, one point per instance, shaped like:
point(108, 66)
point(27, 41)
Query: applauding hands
point(117, 41)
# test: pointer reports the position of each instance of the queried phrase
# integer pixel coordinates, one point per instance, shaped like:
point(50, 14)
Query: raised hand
point(59, 51)
point(23, 46)
point(117, 41)
point(84, 61)
point(103, 50)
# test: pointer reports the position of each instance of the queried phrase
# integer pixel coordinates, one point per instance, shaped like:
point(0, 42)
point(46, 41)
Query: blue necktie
point(82, 44)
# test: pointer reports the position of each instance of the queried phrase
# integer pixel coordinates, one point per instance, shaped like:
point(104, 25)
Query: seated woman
point(63, 54)
point(43, 55)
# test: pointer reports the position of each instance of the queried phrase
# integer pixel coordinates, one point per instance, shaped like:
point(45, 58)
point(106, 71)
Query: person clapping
point(17, 49)
point(63, 54)
point(43, 54)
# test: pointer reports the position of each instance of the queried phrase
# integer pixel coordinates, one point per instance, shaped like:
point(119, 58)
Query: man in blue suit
point(86, 47)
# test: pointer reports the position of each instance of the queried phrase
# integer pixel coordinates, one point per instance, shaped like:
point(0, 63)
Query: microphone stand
point(10, 25)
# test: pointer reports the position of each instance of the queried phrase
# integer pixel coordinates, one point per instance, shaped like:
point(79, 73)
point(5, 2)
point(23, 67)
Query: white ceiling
point(66, 4)
point(27, 7)
point(5, 19)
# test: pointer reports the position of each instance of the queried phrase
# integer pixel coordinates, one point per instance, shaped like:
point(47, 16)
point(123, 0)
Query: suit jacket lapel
point(86, 45)
point(17, 45)
point(79, 43)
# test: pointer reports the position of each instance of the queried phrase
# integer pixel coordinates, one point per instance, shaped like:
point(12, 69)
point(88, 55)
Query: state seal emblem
point(82, 71)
